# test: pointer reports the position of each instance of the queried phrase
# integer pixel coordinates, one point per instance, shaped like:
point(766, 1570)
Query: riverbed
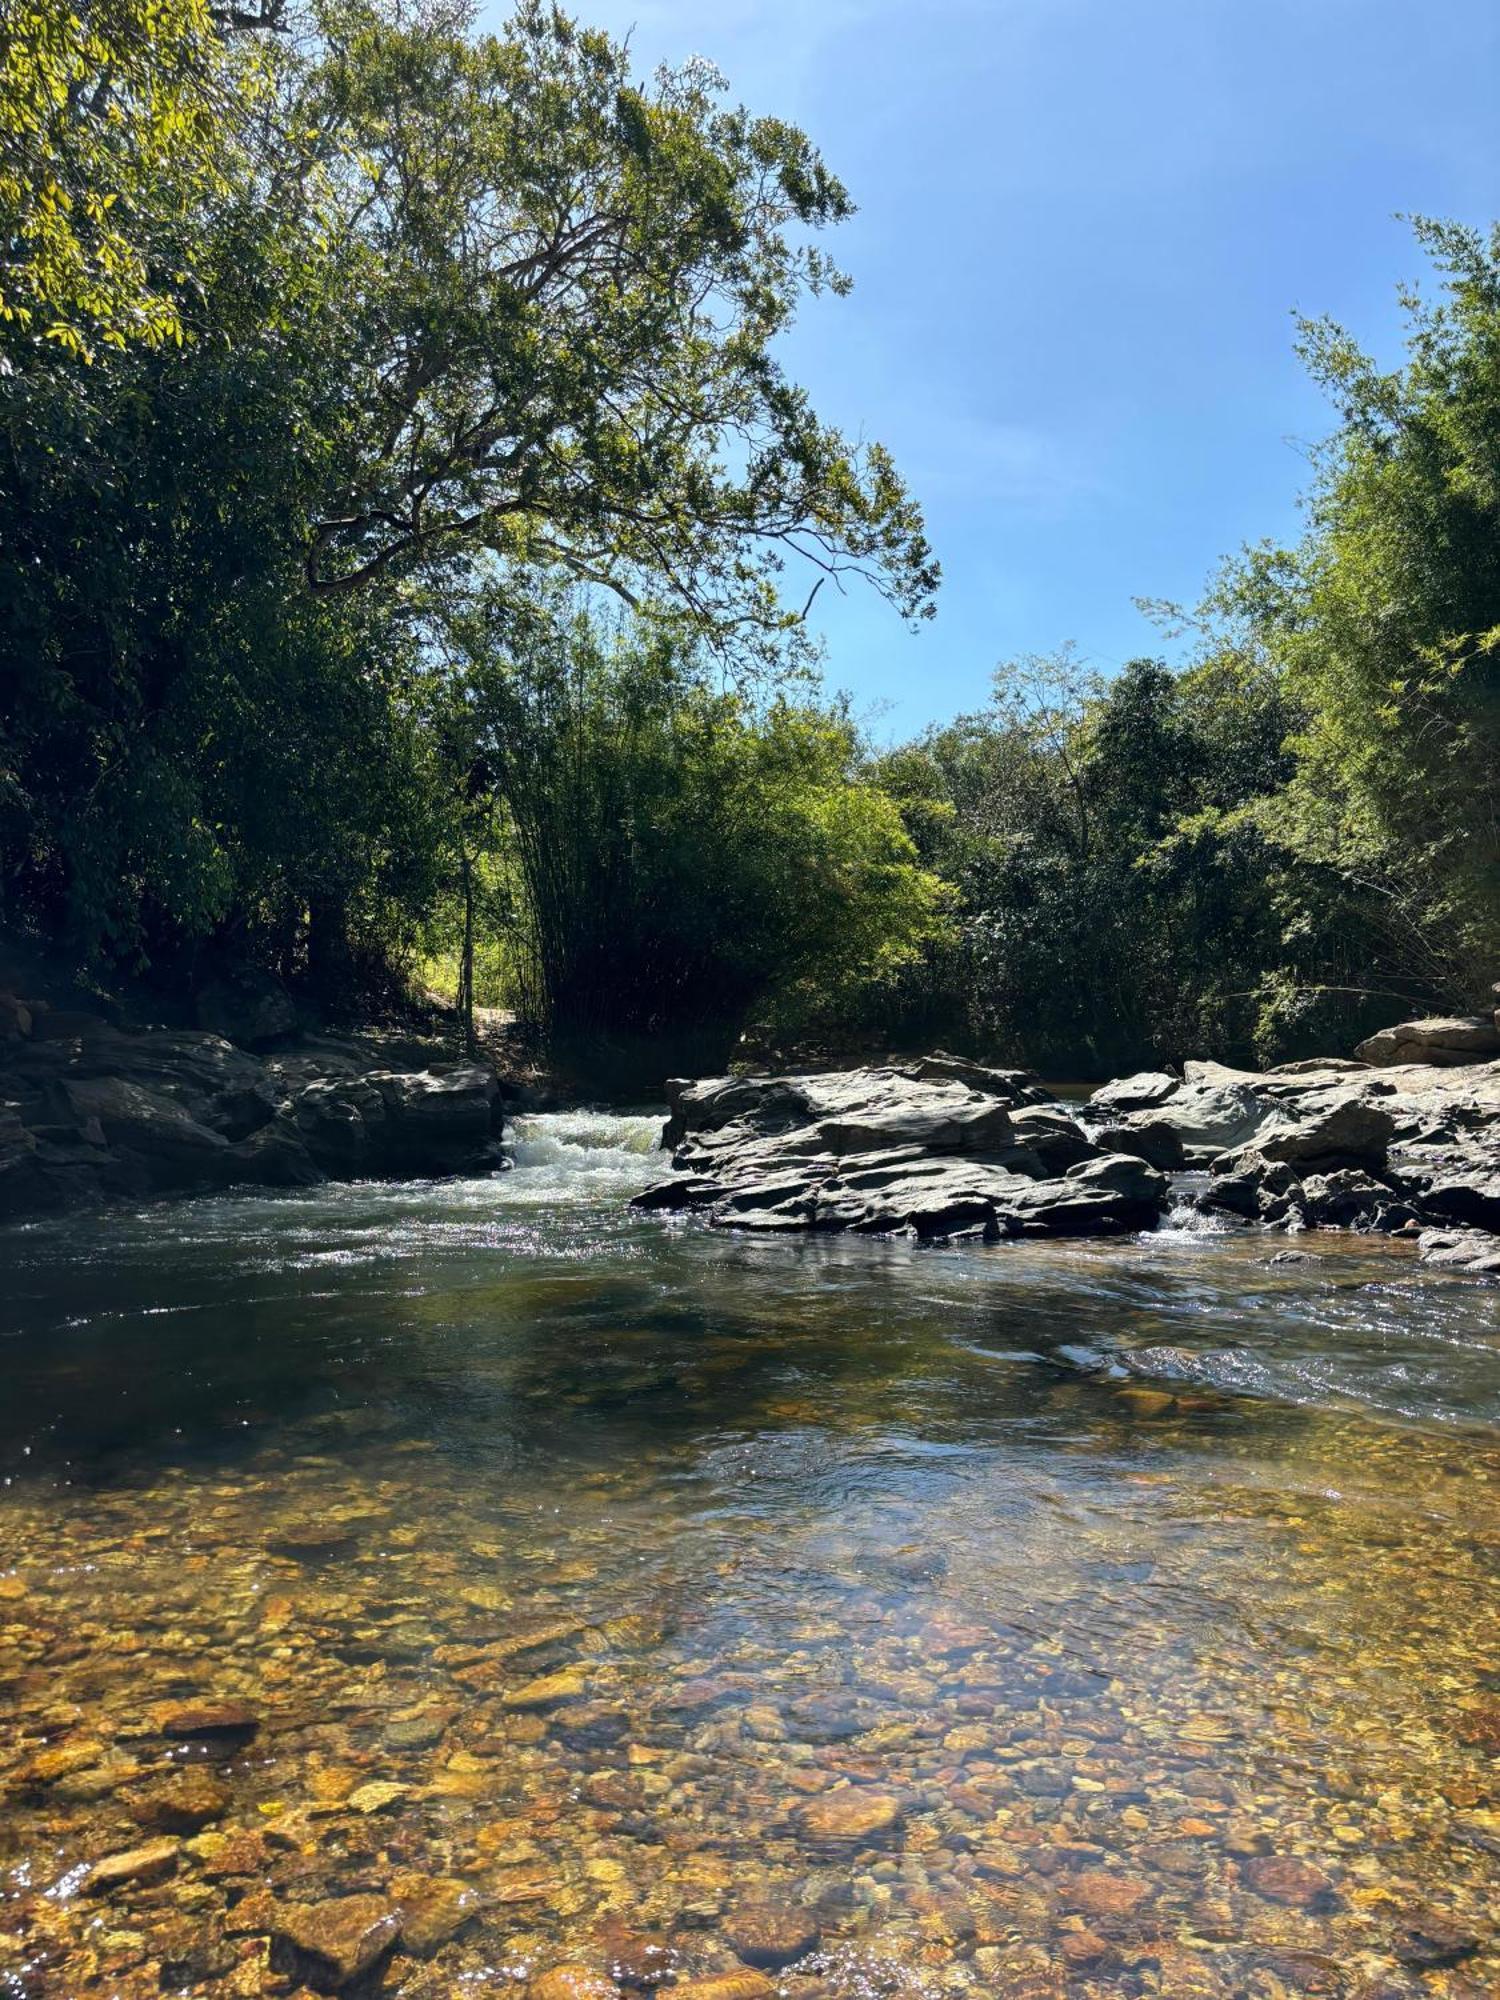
point(575, 1588)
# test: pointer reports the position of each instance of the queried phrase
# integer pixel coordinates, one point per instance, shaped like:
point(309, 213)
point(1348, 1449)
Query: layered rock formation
point(88, 1110)
point(941, 1149)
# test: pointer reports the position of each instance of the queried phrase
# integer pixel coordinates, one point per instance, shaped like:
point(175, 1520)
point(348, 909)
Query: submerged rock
point(181, 1801)
point(726, 1986)
point(573, 1982)
point(136, 1866)
point(772, 1935)
point(331, 1944)
point(850, 1813)
point(1287, 1878)
point(210, 1719)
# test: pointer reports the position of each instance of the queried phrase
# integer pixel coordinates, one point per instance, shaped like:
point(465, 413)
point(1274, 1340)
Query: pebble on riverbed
point(1226, 1737)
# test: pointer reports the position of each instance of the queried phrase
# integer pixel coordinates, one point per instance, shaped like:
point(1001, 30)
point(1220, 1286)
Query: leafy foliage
point(1386, 624)
point(565, 291)
point(685, 861)
point(331, 361)
point(117, 119)
point(1116, 903)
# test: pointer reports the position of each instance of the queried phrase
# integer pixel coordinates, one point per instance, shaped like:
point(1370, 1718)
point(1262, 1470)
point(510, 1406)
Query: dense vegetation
point(406, 535)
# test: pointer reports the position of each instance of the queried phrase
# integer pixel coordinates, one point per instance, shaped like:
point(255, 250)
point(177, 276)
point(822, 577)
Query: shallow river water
point(579, 1589)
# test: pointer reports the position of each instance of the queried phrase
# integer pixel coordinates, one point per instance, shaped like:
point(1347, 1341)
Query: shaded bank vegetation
point(406, 531)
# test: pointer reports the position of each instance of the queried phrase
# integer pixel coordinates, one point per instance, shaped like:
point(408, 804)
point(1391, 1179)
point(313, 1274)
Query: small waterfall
point(562, 1155)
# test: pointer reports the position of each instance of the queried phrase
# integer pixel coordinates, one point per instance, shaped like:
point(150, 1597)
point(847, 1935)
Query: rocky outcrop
point(90, 1111)
point(1342, 1145)
point(1209, 1109)
point(935, 1149)
point(390, 1122)
point(1473, 1250)
point(1448, 1041)
point(942, 1151)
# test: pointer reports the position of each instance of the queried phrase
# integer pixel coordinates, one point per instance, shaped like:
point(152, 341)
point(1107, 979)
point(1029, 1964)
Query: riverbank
point(92, 1111)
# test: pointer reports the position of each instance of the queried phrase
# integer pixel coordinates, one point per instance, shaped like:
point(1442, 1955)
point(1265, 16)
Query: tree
point(687, 862)
point(565, 291)
point(1117, 901)
point(475, 304)
point(1386, 623)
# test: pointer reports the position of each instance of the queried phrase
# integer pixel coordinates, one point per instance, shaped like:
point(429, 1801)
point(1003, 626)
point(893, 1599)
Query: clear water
point(1040, 1620)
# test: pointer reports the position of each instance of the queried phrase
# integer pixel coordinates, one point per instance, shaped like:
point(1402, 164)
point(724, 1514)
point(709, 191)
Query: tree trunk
point(466, 962)
point(328, 955)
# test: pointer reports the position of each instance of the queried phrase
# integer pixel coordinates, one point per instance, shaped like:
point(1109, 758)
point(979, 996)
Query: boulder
point(94, 1111)
point(248, 1005)
point(1153, 1140)
point(1014, 1086)
point(438, 1115)
point(1442, 1040)
point(193, 1068)
point(15, 1018)
point(1057, 1140)
point(1212, 1110)
point(335, 1121)
point(1453, 1179)
point(275, 1156)
point(1252, 1187)
point(177, 1149)
point(397, 1122)
point(1329, 1125)
point(64, 1024)
point(1142, 1092)
point(1472, 1250)
point(1349, 1198)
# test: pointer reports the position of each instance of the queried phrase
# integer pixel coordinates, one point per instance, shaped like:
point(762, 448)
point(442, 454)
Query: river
point(583, 1589)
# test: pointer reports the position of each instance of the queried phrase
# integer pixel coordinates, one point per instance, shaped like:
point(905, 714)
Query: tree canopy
point(355, 360)
point(474, 311)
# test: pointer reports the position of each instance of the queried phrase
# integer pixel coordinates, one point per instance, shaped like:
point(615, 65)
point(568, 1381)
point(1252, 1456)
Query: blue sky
point(1084, 226)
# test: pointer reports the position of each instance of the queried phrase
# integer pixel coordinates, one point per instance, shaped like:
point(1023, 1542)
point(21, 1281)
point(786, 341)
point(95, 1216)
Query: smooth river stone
point(151, 1863)
point(771, 1935)
point(850, 1814)
point(433, 1909)
point(343, 1937)
point(1285, 1878)
point(726, 1986)
point(220, 1718)
point(1099, 1894)
point(546, 1692)
point(573, 1982)
point(182, 1801)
